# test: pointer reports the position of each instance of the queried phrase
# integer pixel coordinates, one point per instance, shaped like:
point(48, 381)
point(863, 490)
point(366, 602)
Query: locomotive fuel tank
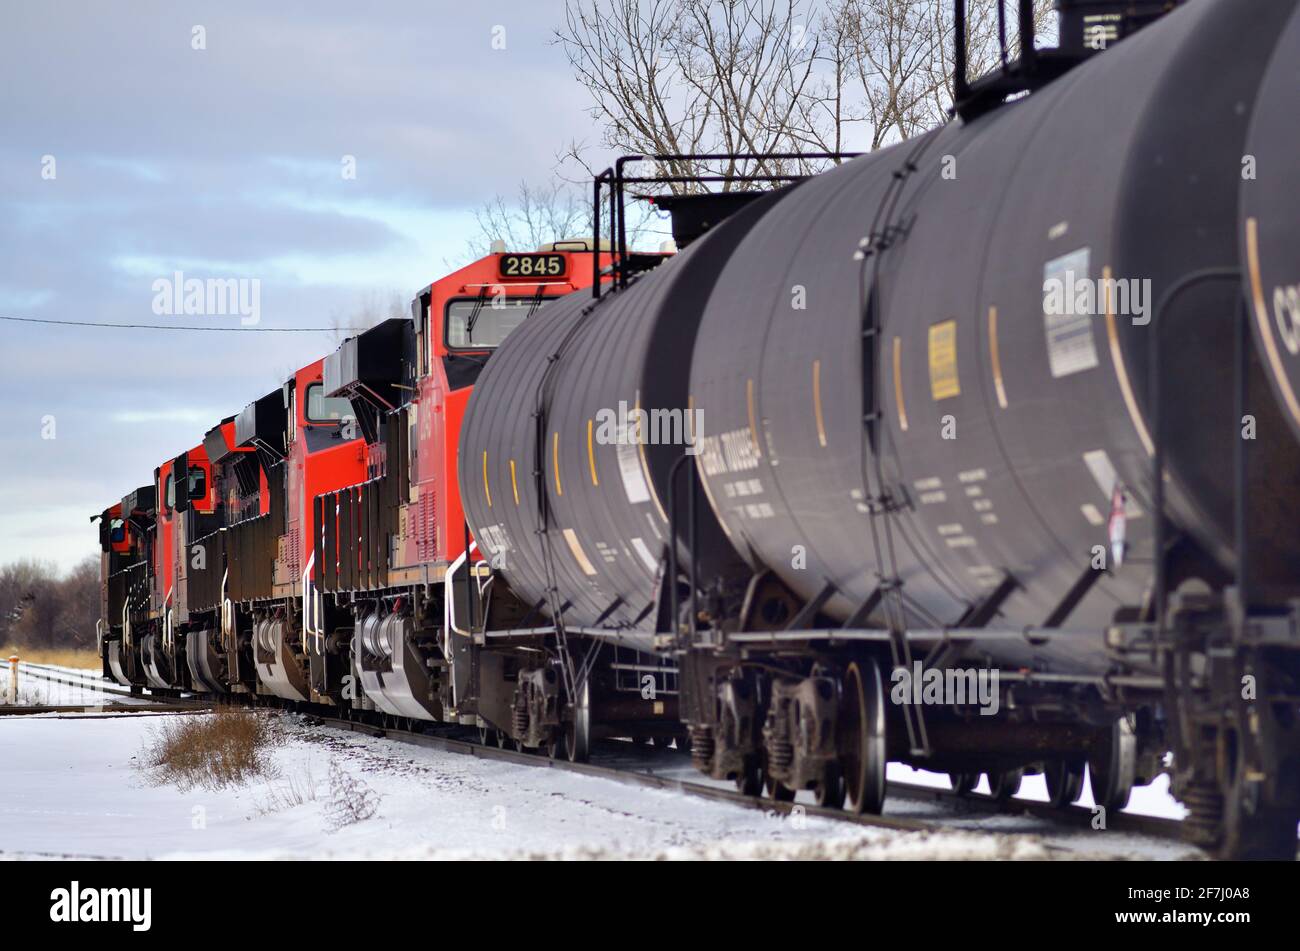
point(964, 407)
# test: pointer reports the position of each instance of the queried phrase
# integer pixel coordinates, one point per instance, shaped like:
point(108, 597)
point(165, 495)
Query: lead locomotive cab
point(402, 593)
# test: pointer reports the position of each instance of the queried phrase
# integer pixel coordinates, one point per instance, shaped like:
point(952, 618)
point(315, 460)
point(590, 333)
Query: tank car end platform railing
point(624, 262)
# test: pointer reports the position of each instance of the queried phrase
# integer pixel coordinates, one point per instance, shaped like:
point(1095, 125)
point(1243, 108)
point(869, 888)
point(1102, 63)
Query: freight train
point(979, 453)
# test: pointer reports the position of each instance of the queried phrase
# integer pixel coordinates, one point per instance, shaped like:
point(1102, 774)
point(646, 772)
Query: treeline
point(41, 608)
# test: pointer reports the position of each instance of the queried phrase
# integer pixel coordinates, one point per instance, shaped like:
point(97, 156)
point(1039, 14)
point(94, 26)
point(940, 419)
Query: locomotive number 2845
point(532, 265)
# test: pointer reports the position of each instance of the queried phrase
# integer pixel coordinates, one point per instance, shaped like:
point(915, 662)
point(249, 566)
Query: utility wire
point(246, 330)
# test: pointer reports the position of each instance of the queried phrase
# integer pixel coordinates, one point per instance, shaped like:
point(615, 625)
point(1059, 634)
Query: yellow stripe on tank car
point(1121, 372)
point(996, 358)
point(579, 555)
point(817, 403)
point(1261, 317)
point(555, 461)
point(898, 384)
point(486, 491)
point(591, 455)
point(514, 485)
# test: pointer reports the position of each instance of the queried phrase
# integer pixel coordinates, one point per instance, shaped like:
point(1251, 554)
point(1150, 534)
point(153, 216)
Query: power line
point(246, 330)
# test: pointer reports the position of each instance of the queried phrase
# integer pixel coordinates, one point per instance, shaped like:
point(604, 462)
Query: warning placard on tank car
point(629, 469)
point(943, 360)
point(1070, 345)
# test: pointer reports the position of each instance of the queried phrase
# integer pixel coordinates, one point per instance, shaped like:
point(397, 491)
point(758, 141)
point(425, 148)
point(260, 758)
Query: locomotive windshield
point(481, 323)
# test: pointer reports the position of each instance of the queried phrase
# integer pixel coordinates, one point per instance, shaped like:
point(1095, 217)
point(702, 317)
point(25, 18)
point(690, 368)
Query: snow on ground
point(70, 788)
point(1152, 800)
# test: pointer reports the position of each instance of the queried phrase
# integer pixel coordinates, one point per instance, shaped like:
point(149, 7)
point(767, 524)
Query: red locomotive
point(288, 552)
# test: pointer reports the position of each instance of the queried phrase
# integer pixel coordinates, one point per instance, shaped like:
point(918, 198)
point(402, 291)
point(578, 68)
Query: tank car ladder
point(882, 505)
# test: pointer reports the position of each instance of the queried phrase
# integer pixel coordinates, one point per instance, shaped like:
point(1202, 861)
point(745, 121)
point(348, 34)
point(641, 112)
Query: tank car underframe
point(784, 709)
point(623, 688)
point(766, 709)
point(1232, 699)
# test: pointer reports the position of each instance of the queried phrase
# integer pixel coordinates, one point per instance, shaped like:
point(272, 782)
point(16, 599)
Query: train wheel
point(1064, 781)
point(1113, 767)
point(963, 784)
point(1251, 830)
point(577, 738)
point(484, 736)
point(862, 723)
point(830, 791)
point(1004, 785)
point(555, 745)
point(776, 790)
point(750, 779)
point(503, 739)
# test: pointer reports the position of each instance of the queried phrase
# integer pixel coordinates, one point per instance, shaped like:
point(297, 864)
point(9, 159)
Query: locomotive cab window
point(198, 483)
point(481, 323)
point(169, 495)
point(326, 409)
point(117, 531)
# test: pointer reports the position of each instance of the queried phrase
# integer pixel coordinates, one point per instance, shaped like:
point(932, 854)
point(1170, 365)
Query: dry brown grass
point(226, 748)
point(58, 656)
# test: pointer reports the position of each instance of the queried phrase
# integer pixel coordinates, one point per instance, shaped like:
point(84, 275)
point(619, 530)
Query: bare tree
point(539, 214)
point(763, 76)
point(892, 52)
point(983, 47)
point(38, 608)
point(695, 76)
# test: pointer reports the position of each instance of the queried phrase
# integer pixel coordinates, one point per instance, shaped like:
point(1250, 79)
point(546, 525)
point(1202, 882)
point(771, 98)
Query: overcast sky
point(228, 162)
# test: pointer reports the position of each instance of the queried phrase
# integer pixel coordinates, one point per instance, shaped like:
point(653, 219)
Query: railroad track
point(141, 703)
point(663, 769)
